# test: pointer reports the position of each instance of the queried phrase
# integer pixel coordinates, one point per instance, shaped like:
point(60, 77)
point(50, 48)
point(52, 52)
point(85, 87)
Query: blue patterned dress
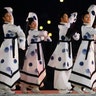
point(34, 72)
point(14, 38)
point(61, 59)
point(84, 70)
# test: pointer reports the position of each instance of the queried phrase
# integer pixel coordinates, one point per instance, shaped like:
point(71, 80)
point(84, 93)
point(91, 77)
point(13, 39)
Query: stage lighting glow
point(50, 34)
point(48, 21)
point(41, 27)
point(61, 0)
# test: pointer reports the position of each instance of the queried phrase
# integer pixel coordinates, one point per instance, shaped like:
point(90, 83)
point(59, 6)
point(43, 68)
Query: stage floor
point(47, 93)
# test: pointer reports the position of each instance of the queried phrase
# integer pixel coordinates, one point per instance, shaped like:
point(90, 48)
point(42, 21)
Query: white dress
point(84, 69)
point(34, 72)
point(14, 38)
point(61, 59)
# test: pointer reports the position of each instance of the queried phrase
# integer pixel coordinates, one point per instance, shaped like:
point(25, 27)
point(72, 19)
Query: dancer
point(34, 72)
point(84, 69)
point(13, 36)
point(61, 59)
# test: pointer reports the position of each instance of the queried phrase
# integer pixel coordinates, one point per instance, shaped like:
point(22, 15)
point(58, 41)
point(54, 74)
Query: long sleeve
point(21, 38)
point(16, 30)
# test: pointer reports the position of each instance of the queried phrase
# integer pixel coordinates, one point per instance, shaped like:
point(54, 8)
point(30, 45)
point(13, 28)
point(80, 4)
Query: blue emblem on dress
point(87, 36)
point(84, 51)
point(87, 71)
point(62, 37)
point(40, 62)
point(81, 63)
point(15, 61)
point(32, 53)
point(30, 64)
point(9, 69)
point(63, 50)
point(6, 49)
point(64, 64)
point(2, 60)
point(59, 58)
point(52, 57)
point(20, 40)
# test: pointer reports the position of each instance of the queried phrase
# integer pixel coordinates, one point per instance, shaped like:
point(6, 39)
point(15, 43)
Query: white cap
point(92, 8)
point(32, 15)
point(92, 12)
point(9, 9)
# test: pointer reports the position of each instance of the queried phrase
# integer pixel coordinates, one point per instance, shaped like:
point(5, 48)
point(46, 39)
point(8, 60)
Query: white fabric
point(9, 63)
point(60, 58)
point(61, 80)
point(33, 65)
point(90, 10)
point(58, 52)
point(85, 67)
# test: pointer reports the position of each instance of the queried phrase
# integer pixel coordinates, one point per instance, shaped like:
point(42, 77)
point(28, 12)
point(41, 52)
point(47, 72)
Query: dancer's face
point(65, 18)
point(86, 18)
point(7, 17)
point(33, 25)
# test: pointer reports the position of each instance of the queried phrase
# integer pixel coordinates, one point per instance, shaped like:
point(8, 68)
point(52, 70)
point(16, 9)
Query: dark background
point(45, 9)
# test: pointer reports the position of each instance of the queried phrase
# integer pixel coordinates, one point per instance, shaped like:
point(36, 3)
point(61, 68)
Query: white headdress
point(9, 9)
point(92, 12)
point(34, 16)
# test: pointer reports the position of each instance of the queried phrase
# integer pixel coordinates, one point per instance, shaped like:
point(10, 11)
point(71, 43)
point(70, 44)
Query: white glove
point(42, 37)
point(48, 39)
point(76, 36)
point(9, 9)
point(45, 33)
